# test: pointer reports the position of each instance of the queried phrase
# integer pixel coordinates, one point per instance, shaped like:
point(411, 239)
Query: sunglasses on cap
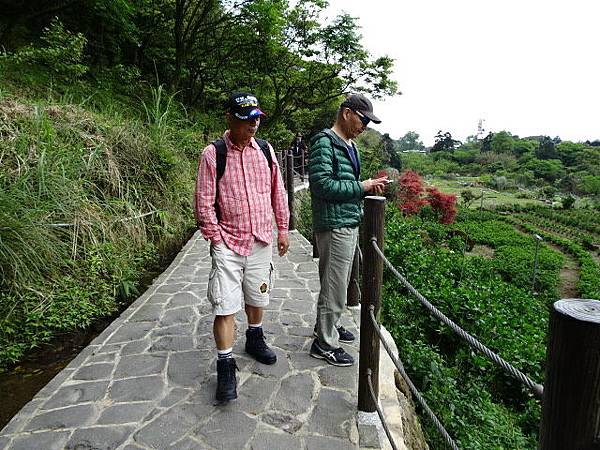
point(364, 119)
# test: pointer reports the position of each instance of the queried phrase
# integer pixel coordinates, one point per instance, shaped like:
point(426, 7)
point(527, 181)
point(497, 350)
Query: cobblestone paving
point(148, 381)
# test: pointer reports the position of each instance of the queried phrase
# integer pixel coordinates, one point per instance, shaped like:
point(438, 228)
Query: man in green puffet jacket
point(337, 193)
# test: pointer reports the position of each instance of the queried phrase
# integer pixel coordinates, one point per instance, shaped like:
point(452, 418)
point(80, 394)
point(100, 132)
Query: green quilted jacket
point(334, 184)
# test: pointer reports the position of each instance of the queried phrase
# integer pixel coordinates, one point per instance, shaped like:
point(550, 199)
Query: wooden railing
point(292, 167)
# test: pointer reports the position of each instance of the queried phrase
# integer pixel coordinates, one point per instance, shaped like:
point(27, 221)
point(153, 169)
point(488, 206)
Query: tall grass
point(87, 200)
point(158, 109)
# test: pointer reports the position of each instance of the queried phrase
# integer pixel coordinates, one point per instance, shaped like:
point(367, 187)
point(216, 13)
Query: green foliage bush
point(568, 202)
point(372, 154)
point(88, 201)
point(480, 405)
point(590, 184)
point(426, 165)
point(588, 284)
point(304, 214)
point(61, 52)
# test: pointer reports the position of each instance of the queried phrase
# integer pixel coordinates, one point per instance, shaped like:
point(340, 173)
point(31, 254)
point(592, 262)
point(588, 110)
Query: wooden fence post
point(571, 402)
point(281, 162)
point(289, 175)
point(371, 295)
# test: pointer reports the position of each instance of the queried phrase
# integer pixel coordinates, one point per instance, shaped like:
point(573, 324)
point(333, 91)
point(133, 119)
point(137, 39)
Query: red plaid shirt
point(249, 194)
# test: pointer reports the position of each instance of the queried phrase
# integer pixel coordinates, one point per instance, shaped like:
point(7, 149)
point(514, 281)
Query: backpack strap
point(221, 149)
point(264, 146)
point(221, 155)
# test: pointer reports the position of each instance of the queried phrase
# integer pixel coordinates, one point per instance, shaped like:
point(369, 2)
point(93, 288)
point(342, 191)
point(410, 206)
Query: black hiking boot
point(258, 348)
point(226, 380)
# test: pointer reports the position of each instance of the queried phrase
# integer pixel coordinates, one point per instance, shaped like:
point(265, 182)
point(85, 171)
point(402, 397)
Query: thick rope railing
point(536, 388)
point(410, 384)
point(379, 412)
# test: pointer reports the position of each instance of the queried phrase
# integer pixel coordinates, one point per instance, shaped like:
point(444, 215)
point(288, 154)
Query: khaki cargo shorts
point(235, 279)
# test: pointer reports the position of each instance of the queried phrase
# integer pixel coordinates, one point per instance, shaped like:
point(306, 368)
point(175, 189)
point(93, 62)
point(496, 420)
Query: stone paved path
point(148, 381)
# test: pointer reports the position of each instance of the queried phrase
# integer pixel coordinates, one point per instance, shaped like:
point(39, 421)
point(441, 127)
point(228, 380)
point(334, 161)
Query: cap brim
point(250, 113)
point(372, 117)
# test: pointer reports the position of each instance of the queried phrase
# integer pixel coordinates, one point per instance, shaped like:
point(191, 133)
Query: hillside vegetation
point(535, 168)
point(105, 107)
point(489, 297)
point(90, 197)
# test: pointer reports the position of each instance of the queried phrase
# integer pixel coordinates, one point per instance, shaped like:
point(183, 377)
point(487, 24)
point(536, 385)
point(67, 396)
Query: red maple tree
point(412, 196)
point(390, 172)
point(443, 205)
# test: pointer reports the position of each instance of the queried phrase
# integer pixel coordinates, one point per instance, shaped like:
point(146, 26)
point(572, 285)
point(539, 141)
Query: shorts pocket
point(271, 270)
point(214, 288)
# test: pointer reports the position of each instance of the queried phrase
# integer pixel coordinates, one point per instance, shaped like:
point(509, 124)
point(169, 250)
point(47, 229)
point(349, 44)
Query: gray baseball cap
point(360, 103)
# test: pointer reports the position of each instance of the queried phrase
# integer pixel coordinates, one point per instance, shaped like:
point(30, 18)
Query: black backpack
point(221, 153)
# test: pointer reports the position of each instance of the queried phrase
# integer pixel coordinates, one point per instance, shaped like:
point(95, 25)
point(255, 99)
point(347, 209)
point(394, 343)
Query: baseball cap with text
point(243, 105)
point(360, 103)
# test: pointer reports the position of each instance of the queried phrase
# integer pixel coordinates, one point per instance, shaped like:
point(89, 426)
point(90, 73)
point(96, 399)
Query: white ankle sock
point(224, 354)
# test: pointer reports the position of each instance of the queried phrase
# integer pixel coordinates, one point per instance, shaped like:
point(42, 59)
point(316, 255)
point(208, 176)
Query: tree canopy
point(444, 142)
point(204, 49)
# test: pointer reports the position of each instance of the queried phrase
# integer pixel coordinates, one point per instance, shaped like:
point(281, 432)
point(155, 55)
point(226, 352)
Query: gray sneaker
point(337, 357)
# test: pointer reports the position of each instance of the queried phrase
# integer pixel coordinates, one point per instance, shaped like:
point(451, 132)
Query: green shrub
point(61, 52)
point(88, 201)
point(568, 202)
point(481, 406)
point(304, 214)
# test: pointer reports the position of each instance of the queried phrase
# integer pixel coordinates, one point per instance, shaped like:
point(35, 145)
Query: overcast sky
point(530, 67)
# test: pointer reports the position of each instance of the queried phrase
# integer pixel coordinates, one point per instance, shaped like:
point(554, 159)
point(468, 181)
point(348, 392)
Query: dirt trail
point(569, 273)
point(593, 253)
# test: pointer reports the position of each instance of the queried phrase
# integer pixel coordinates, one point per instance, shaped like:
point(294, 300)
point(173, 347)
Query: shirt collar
point(230, 143)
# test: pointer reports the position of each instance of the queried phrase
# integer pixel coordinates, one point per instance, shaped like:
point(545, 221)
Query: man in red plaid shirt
point(248, 194)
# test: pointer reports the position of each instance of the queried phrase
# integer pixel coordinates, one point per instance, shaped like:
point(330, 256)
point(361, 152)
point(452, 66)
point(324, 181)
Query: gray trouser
point(336, 253)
